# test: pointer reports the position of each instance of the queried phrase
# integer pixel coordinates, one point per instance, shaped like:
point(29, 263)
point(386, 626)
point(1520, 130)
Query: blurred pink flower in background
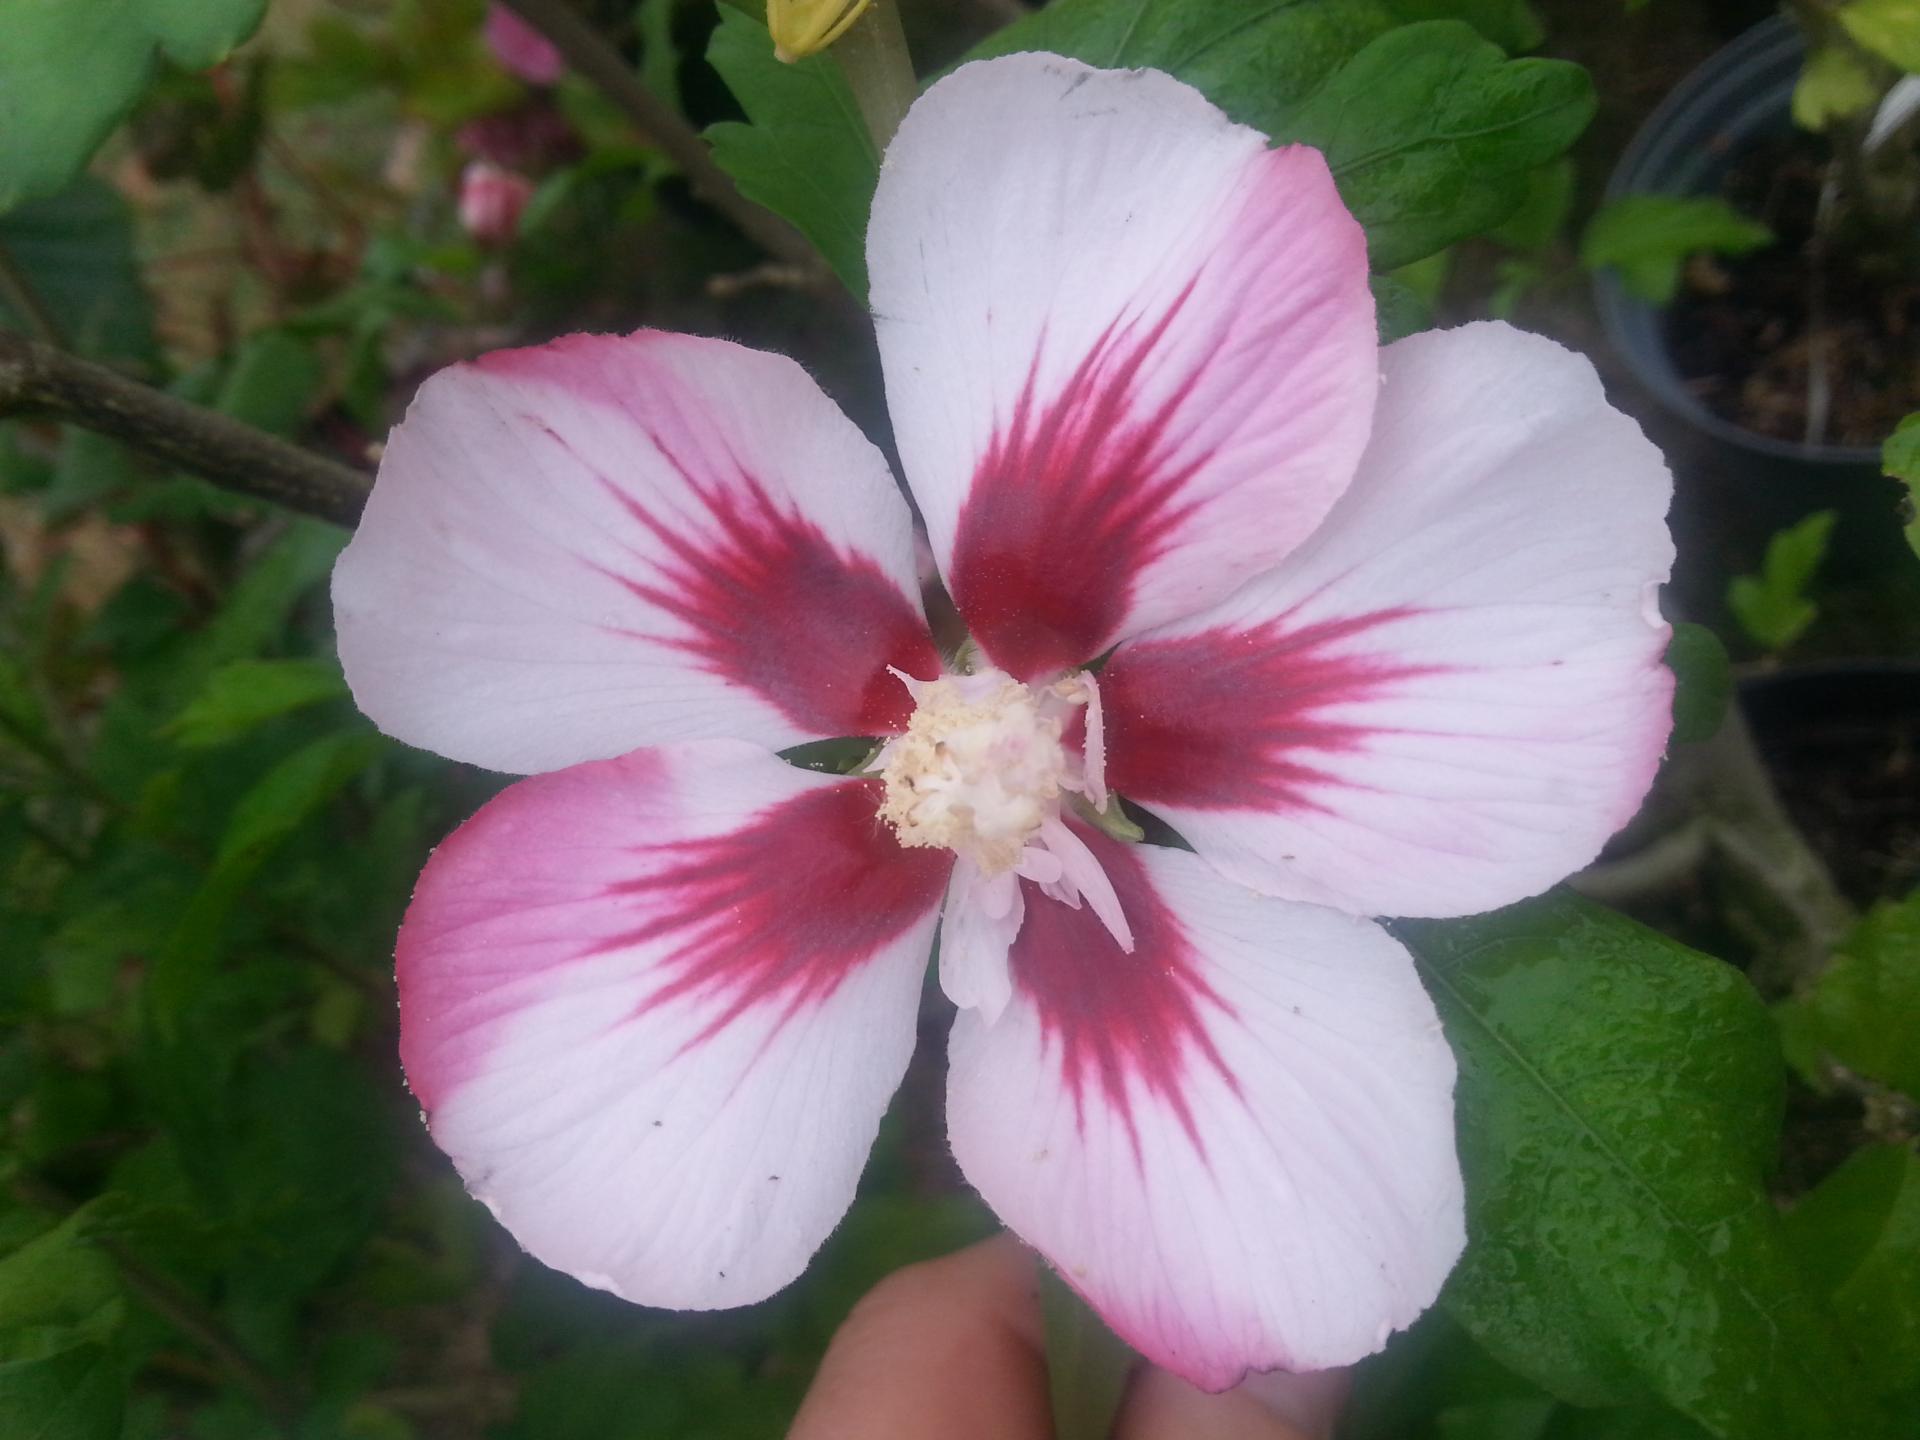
point(522, 50)
point(492, 201)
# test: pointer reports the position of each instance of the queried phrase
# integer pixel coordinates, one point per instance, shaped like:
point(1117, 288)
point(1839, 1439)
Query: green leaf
point(1889, 28)
point(1543, 213)
point(1833, 84)
point(272, 382)
point(1772, 607)
point(1255, 59)
point(1432, 134)
point(1649, 238)
point(1446, 157)
point(1900, 458)
point(1637, 1423)
point(1510, 24)
point(1703, 682)
point(71, 69)
point(1619, 1102)
point(285, 799)
point(1522, 1417)
point(1857, 1235)
point(803, 151)
point(1398, 309)
point(241, 696)
point(256, 609)
point(290, 793)
point(57, 1291)
point(60, 1307)
point(76, 251)
point(76, 1395)
point(1429, 128)
point(1862, 1009)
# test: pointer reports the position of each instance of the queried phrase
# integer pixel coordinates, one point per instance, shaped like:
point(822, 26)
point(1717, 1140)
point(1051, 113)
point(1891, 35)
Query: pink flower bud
point(491, 201)
point(522, 50)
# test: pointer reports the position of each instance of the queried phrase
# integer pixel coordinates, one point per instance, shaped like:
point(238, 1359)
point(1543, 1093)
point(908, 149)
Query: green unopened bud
point(806, 27)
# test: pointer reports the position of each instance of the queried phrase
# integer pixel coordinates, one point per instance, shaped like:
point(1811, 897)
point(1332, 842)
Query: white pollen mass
point(980, 768)
point(982, 771)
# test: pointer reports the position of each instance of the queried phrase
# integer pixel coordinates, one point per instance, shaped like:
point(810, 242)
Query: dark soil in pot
point(1756, 336)
point(1842, 742)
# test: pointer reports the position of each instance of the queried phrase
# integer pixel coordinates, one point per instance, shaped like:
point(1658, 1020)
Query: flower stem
point(873, 56)
point(1087, 1364)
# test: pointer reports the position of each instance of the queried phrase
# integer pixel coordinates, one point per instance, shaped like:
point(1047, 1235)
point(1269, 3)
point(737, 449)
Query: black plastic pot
point(1737, 487)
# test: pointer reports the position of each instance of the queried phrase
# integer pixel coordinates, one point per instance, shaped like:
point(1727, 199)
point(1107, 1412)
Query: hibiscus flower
point(1372, 630)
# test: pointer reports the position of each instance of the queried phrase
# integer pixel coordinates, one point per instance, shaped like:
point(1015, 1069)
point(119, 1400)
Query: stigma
point(983, 770)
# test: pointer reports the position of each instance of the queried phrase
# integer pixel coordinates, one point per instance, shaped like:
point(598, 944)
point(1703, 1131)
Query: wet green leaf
point(1619, 1101)
point(1862, 1009)
point(1510, 24)
point(1433, 133)
point(1255, 59)
point(1857, 1235)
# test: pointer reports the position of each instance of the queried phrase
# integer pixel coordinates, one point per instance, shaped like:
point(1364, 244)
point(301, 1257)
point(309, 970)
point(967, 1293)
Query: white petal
point(606, 542)
point(1130, 350)
point(1453, 694)
point(654, 1008)
point(1236, 1142)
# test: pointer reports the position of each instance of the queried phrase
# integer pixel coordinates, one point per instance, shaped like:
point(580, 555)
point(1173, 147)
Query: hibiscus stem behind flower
point(873, 56)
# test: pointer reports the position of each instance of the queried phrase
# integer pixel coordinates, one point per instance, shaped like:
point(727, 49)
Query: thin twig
point(1819, 377)
point(36, 378)
point(588, 52)
point(21, 297)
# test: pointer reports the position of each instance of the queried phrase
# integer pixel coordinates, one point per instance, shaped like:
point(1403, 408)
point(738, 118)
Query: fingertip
point(948, 1349)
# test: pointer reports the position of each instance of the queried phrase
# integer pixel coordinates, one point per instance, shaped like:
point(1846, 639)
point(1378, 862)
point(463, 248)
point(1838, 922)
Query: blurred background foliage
point(220, 1216)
